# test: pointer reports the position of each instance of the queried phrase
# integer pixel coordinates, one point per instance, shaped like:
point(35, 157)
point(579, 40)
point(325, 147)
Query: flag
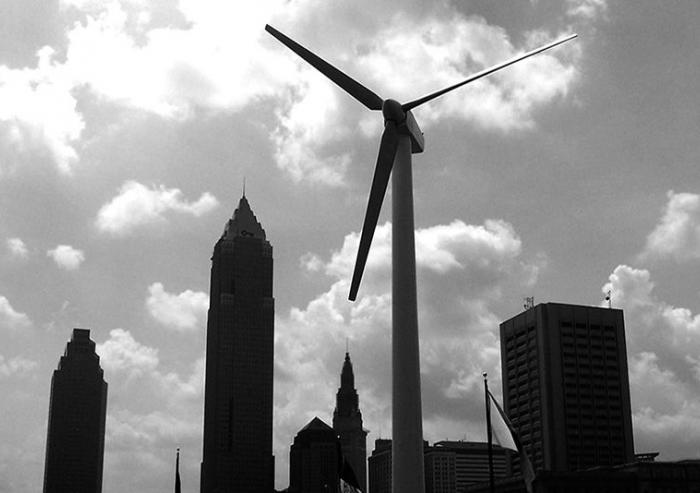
point(177, 472)
point(507, 437)
point(347, 480)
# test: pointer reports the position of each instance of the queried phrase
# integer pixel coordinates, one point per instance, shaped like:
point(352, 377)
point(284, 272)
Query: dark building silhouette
point(314, 459)
point(379, 465)
point(239, 361)
point(565, 385)
point(450, 466)
point(347, 423)
point(637, 477)
point(75, 438)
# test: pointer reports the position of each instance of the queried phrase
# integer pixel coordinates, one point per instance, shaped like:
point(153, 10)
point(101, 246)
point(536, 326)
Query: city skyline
point(127, 132)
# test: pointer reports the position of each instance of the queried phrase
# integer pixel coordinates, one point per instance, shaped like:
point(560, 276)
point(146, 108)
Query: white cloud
point(434, 53)
point(67, 257)
point(187, 65)
point(122, 353)
point(17, 248)
point(151, 411)
point(115, 54)
point(463, 272)
point(305, 142)
point(184, 311)
point(38, 110)
point(16, 365)
point(586, 9)
point(677, 235)
point(663, 342)
point(137, 205)
point(10, 318)
point(471, 250)
point(137, 365)
point(209, 63)
point(311, 262)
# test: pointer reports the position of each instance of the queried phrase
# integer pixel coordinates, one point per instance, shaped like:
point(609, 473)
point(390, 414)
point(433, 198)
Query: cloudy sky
point(128, 127)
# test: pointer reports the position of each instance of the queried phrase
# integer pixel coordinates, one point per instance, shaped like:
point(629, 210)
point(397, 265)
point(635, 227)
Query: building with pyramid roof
point(314, 459)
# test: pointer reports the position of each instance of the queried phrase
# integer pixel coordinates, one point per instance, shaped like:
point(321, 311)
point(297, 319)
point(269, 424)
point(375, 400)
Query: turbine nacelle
point(405, 122)
point(392, 110)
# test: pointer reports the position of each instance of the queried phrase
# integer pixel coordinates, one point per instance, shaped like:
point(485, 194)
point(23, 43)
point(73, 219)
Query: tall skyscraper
point(75, 439)
point(313, 459)
point(566, 387)
point(239, 361)
point(347, 423)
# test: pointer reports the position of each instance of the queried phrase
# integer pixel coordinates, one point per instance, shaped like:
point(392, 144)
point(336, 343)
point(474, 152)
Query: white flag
point(507, 437)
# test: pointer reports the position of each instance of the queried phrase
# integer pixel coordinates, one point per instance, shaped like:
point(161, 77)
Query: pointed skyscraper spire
point(244, 222)
point(347, 423)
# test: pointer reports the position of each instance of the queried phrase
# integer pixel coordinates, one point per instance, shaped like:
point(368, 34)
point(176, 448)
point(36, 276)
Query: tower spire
point(347, 422)
point(244, 222)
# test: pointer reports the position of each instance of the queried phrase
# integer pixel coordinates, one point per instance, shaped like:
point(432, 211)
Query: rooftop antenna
point(401, 137)
point(608, 298)
point(244, 186)
point(347, 347)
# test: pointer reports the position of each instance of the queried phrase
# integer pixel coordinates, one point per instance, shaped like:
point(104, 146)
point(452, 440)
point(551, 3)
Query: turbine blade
point(484, 73)
point(349, 85)
point(385, 161)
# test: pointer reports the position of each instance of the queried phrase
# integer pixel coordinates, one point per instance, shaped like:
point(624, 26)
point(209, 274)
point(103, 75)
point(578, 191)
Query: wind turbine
point(402, 136)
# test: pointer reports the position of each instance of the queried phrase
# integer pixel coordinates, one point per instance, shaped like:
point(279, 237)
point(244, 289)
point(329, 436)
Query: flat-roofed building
point(566, 386)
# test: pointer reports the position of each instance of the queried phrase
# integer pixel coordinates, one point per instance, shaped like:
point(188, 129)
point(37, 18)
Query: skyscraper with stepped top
point(237, 454)
point(347, 423)
point(75, 439)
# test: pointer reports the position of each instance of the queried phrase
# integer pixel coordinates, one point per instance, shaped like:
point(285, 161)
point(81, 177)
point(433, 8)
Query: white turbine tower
point(402, 137)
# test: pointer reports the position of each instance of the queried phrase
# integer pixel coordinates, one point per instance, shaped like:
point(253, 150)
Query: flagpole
point(489, 437)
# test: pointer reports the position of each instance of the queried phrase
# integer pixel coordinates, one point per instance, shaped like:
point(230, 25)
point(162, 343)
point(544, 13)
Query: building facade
point(566, 386)
point(347, 423)
point(237, 454)
point(450, 466)
point(635, 477)
point(75, 437)
point(380, 467)
point(314, 459)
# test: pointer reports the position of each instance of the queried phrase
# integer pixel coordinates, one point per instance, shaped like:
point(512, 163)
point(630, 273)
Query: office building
point(450, 466)
point(379, 465)
point(314, 459)
point(75, 438)
point(636, 477)
point(347, 423)
point(565, 385)
point(237, 453)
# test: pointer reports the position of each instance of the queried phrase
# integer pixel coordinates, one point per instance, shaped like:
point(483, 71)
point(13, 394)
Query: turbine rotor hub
point(392, 110)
